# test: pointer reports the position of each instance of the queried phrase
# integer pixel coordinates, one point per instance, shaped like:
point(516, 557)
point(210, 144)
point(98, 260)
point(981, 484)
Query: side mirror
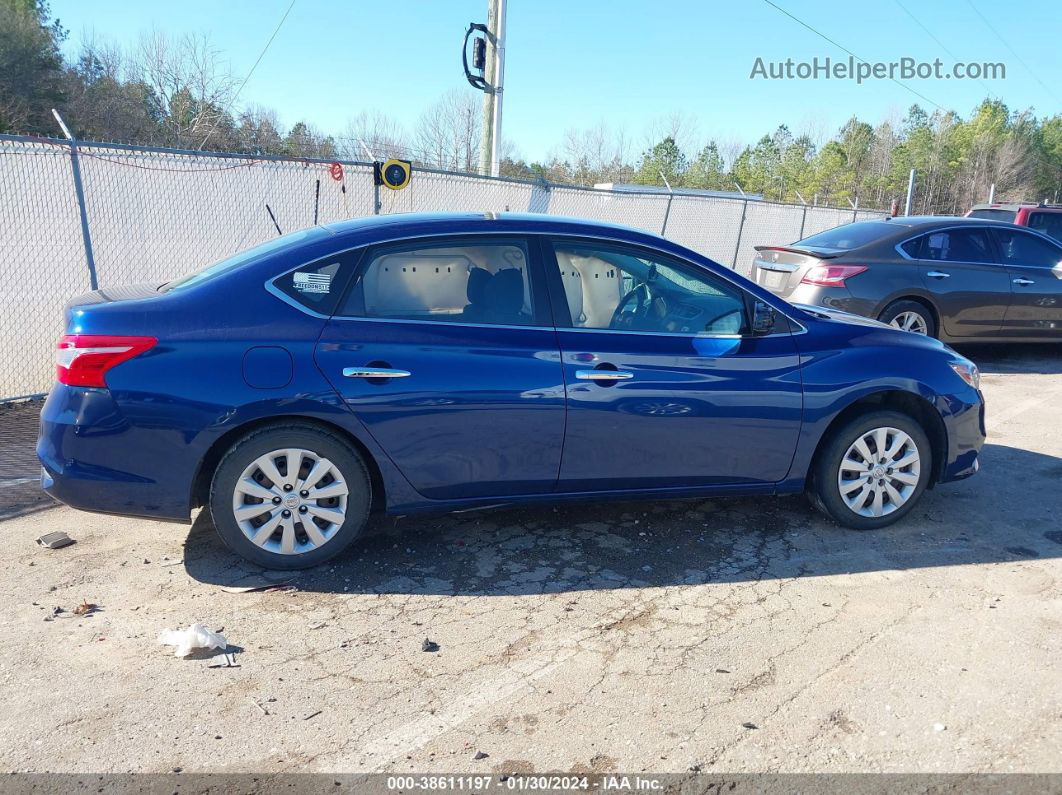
point(763, 318)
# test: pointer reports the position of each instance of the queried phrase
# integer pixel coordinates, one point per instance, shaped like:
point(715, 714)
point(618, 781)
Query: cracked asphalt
point(731, 635)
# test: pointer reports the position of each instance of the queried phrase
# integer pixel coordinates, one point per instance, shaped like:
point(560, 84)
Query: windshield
point(240, 258)
point(848, 236)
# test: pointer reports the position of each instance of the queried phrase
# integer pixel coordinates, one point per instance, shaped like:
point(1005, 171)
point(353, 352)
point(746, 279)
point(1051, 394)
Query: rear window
point(848, 236)
point(241, 258)
point(994, 215)
point(1048, 223)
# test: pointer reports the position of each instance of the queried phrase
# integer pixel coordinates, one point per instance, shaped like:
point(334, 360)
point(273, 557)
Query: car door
point(665, 387)
point(960, 268)
point(1034, 265)
point(444, 350)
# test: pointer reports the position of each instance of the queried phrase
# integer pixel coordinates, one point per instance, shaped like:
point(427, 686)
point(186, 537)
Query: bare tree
point(595, 154)
point(384, 136)
point(448, 133)
point(193, 84)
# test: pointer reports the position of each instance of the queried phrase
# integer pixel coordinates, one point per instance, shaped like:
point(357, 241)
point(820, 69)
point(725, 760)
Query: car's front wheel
point(872, 471)
point(290, 497)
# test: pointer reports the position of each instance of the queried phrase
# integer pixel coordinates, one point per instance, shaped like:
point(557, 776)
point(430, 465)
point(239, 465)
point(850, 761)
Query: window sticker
point(312, 282)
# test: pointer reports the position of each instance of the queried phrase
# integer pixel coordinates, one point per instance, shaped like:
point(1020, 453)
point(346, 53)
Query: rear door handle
point(938, 275)
point(374, 372)
point(603, 375)
point(1024, 281)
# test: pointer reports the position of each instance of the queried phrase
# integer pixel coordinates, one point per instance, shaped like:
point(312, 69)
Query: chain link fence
point(78, 216)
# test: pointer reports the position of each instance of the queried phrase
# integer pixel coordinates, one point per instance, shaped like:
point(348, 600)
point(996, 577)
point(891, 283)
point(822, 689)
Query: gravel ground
point(725, 635)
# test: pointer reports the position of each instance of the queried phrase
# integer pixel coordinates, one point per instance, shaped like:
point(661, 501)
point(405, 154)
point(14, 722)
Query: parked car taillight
point(831, 275)
point(84, 359)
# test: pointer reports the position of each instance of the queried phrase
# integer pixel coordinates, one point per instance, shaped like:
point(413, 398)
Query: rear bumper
point(964, 421)
point(93, 459)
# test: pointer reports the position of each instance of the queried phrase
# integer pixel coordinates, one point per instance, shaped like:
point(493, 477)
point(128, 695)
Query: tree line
point(179, 92)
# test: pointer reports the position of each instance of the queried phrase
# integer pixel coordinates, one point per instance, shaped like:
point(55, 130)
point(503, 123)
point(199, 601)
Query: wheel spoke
point(263, 533)
point(851, 485)
point(897, 498)
point(294, 461)
point(905, 477)
point(319, 469)
point(876, 507)
point(334, 489)
point(254, 489)
point(851, 465)
point(906, 461)
point(247, 512)
point(313, 532)
point(287, 536)
point(862, 448)
point(269, 469)
point(881, 435)
point(328, 514)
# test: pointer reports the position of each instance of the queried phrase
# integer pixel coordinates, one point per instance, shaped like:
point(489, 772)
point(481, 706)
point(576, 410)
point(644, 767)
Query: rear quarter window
point(316, 286)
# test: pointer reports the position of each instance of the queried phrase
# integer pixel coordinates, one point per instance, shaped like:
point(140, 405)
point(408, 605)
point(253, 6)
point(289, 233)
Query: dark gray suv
point(959, 279)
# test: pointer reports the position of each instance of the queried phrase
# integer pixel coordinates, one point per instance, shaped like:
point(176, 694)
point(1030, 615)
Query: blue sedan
point(440, 362)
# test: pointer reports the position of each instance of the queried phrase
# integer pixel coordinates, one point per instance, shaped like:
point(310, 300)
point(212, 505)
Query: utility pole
point(494, 75)
point(910, 194)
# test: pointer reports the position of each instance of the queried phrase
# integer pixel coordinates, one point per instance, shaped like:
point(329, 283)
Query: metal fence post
point(79, 191)
point(741, 228)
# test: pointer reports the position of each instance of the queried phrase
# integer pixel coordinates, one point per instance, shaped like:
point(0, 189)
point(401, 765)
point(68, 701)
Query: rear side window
point(957, 245)
point(913, 248)
point(1019, 248)
point(1048, 223)
point(994, 214)
point(849, 236)
point(485, 282)
point(316, 286)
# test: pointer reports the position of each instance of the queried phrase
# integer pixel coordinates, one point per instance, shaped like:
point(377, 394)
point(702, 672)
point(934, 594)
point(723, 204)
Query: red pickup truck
point(1045, 218)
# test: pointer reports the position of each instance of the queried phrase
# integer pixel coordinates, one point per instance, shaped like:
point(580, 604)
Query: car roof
point(1018, 206)
point(506, 221)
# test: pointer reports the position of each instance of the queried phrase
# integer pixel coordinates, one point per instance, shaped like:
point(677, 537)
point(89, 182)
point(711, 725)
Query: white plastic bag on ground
point(188, 640)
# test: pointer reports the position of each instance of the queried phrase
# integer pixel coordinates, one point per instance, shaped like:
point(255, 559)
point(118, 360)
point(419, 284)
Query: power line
point(251, 72)
point(839, 46)
point(933, 36)
point(1021, 60)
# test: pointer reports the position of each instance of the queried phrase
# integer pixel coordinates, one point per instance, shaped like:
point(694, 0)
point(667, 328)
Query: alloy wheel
point(879, 472)
point(290, 501)
point(910, 321)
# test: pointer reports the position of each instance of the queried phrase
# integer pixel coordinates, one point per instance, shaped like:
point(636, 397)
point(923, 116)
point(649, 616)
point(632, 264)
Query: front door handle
point(938, 275)
point(603, 375)
point(374, 372)
point(1024, 281)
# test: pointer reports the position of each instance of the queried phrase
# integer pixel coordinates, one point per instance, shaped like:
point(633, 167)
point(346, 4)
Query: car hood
point(826, 313)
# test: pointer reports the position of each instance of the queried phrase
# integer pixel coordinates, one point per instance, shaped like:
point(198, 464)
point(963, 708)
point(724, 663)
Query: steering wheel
point(644, 294)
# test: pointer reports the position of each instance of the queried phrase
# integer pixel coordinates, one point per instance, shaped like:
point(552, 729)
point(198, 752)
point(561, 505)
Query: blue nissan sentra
point(439, 362)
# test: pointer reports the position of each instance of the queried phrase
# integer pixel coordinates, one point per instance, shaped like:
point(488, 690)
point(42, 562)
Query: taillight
point(831, 275)
point(84, 359)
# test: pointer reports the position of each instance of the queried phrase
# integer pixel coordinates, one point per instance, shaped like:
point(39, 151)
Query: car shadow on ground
point(1032, 358)
point(591, 546)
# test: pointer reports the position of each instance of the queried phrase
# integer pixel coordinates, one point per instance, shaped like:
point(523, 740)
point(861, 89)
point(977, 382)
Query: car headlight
point(968, 372)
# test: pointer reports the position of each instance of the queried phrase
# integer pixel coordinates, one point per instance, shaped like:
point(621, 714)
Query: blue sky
point(626, 63)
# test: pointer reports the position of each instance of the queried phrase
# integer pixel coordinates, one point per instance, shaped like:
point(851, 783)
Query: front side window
point(1019, 248)
point(480, 282)
point(629, 290)
point(957, 245)
point(1049, 224)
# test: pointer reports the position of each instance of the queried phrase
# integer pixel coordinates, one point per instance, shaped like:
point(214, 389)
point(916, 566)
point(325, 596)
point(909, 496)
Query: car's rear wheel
point(910, 316)
point(290, 497)
point(872, 471)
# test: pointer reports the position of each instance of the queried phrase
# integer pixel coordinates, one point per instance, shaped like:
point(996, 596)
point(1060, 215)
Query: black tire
point(824, 490)
point(321, 443)
point(897, 308)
